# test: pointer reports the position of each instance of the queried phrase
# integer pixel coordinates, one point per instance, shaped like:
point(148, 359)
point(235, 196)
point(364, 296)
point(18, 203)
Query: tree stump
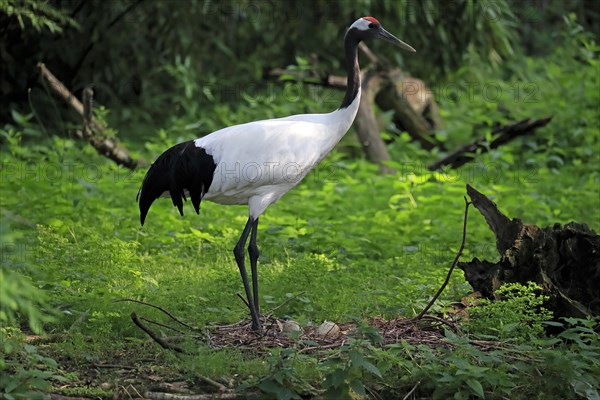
point(563, 260)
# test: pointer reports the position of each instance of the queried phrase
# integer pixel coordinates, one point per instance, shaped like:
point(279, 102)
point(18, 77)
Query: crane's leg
point(238, 253)
point(254, 253)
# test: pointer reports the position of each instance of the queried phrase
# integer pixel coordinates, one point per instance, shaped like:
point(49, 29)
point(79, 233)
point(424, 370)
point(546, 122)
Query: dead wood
point(208, 396)
point(163, 343)
point(159, 308)
point(93, 131)
point(116, 366)
point(50, 338)
point(211, 382)
point(563, 260)
point(414, 107)
point(367, 126)
point(502, 135)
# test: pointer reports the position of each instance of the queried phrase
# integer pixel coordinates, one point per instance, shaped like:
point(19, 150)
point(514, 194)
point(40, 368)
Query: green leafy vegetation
point(39, 15)
point(347, 244)
point(519, 313)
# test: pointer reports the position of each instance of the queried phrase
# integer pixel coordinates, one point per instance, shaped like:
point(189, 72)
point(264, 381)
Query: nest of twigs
point(308, 339)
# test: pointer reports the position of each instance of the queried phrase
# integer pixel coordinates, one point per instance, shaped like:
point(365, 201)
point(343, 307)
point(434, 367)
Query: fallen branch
point(411, 391)
point(217, 385)
point(442, 321)
point(207, 396)
point(162, 325)
point(106, 146)
point(50, 338)
point(458, 254)
point(174, 318)
point(116, 366)
point(503, 135)
point(164, 344)
point(415, 109)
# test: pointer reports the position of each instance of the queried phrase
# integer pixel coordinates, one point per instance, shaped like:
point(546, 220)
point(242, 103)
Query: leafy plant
point(21, 300)
point(517, 314)
point(40, 14)
point(347, 369)
point(565, 366)
point(283, 381)
point(24, 371)
point(26, 374)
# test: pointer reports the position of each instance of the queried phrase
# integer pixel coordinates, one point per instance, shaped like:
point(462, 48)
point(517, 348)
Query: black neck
point(351, 42)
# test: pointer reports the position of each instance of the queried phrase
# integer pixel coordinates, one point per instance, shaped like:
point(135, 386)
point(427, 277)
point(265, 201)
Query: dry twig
point(174, 318)
point(217, 385)
point(411, 391)
point(162, 325)
point(458, 254)
point(164, 344)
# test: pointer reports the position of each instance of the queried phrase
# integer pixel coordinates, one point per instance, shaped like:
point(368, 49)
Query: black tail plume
point(182, 167)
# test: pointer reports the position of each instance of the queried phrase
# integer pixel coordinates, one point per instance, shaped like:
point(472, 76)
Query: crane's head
point(369, 27)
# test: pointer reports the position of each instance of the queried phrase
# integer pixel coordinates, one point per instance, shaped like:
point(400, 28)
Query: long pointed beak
point(388, 37)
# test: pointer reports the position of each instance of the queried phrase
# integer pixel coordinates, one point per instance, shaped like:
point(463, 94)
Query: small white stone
point(290, 326)
point(328, 330)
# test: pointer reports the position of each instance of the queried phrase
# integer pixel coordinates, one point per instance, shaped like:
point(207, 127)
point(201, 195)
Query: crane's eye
point(371, 25)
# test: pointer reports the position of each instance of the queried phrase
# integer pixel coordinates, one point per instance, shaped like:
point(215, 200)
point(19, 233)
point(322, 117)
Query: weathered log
point(504, 134)
point(367, 127)
point(107, 146)
point(563, 260)
point(415, 110)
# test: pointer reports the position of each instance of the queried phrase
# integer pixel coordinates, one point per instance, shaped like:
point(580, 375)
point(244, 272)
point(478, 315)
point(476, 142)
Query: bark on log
point(564, 261)
point(409, 99)
point(93, 132)
point(504, 134)
point(367, 127)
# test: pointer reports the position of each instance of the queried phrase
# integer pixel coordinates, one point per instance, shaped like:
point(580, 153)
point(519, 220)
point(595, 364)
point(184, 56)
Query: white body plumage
point(258, 162)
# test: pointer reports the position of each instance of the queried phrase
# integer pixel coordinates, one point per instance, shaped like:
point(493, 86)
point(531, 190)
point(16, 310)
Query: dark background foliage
point(125, 48)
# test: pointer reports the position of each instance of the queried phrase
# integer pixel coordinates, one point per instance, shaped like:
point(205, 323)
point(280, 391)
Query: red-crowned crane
point(258, 162)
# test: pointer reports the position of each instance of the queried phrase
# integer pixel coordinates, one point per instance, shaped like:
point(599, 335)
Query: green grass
point(357, 243)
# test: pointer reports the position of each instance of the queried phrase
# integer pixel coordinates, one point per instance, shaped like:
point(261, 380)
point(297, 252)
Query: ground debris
point(241, 336)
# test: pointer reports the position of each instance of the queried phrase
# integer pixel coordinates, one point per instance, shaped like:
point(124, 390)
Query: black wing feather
point(180, 168)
